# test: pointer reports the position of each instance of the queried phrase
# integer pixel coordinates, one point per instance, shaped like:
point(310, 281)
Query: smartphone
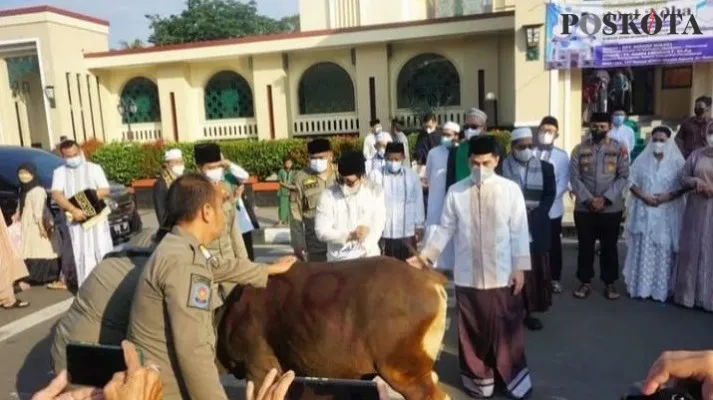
point(338, 389)
point(94, 364)
point(685, 390)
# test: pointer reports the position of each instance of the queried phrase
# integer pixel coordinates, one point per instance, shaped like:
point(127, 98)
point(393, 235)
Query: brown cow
point(340, 320)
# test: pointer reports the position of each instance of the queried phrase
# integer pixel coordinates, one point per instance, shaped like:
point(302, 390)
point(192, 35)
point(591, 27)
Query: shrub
point(126, 162)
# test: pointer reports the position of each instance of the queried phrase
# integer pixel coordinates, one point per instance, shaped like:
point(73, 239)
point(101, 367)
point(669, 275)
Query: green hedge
point(127, 162)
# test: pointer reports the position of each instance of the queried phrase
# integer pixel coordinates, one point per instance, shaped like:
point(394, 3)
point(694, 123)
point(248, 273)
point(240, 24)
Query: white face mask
point(178, 170)
point(469, 133)
point(545, 138)
point(215, 174)
point(430, 130)
point(350, 191)
point(479, 174)
point(378, 129)
point(659, 147)
point(74, 162)
point(318, 165)
point(523, 155)
point(709, 139)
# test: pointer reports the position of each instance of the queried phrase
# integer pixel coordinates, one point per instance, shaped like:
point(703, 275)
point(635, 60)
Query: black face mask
point(597, 135)
point(699, 111)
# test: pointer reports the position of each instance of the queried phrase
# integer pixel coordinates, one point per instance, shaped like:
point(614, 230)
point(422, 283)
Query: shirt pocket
point(609, 164)
point(585, 163)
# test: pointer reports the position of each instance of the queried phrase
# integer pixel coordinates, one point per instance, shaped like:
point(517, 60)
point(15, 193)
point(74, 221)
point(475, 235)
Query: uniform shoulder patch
point(199, 293)
point(309, 181)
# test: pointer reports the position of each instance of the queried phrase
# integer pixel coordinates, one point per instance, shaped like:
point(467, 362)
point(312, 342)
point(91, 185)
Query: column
point(174, 79)
point(9, 134)
point(372, 62)
point(268, 71)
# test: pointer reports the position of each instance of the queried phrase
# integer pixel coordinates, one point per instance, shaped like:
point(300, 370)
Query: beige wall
point(532, 81)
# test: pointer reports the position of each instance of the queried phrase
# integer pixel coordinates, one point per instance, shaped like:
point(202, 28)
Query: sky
point(127, 16)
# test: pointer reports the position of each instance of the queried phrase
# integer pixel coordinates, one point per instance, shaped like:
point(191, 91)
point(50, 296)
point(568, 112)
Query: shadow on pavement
point(36, 371)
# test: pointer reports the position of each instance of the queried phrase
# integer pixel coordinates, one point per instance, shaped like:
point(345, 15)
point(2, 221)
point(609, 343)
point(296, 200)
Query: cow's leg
point(414, 383)
point(259, 361)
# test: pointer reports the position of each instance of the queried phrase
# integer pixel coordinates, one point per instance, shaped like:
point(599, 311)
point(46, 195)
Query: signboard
point(602, 34)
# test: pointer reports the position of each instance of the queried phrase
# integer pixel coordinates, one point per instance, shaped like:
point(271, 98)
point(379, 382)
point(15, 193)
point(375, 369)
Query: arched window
point(144, 93)
point(326, 88)
point(428, 81)
point(228, 95)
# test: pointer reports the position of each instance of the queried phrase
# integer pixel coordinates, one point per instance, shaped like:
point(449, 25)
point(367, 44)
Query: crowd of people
point(490, 217)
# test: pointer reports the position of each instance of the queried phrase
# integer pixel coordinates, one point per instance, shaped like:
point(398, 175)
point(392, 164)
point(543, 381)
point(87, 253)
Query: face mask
point(469, 133)
point(381, 152)
point(318, 165)
point(430, 130)
point(350, 191)
point(447, 142)
point(523, 155)
point(597, 135)
point(178, 170)
point(479, 174)
point(699, 111)
point(215, 174)
point(74, 162)
point(394, 166)
point(545, 138)
point(709, 139)
point(377, 129)
point(618, 120)
point(659, 147)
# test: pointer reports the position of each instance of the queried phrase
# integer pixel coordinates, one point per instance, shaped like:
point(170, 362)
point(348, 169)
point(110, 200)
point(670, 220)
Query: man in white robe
point(405, 214)
point(399, 136)
point(351, 214)
point(436, 171)
point(487, 219)
point(379, 160)
point(369, 147)
point(92, 244)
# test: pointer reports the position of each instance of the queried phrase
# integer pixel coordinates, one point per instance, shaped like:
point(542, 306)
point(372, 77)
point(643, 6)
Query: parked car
point(124, 219)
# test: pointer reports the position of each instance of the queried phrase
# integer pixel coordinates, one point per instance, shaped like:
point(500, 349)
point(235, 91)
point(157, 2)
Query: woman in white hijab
point(653, 223)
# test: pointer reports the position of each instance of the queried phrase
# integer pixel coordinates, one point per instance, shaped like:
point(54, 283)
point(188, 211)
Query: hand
point(650, 201)
point(43, 231)
point(270, 389)
point(419, 234)
point(417, 262)
point(662, 198)
point(424, 183)
point(225, 163)
point(137, 383)
point(299, 253)
point(59, 384)
point(517, 281)
point(359, 233)
point(702, 188)
point(383, 388)
point(571, 195)
point(239, 191)
point(282, 265)
point(695, 365)
point(78, 215)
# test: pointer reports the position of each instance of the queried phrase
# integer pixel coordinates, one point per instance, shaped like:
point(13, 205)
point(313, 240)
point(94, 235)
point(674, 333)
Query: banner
point(599, 34)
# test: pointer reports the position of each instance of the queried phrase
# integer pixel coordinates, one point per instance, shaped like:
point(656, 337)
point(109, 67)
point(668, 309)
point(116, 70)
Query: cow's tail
point(427, 267)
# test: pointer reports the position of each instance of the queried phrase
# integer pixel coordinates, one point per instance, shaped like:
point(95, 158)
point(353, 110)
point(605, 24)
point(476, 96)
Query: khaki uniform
point(303, 207)
point(100, 312)
point(172, 317)
point(599, 170)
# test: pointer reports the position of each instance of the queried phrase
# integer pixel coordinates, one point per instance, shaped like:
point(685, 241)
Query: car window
point(46, 163)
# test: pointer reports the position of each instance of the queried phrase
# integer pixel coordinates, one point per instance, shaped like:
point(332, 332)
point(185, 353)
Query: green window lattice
point(228, 95)
point(326, 88)
point(428, 80)
point(144, 93)
point(18, 67)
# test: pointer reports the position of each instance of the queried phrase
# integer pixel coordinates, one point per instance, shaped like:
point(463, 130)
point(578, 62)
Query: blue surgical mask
point(618, 120)
point(393, 166)
point(74, 162)
point(447, 142)
point(318, 165)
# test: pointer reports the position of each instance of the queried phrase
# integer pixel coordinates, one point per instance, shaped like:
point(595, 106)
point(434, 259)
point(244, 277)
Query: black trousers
point(397, 248)
point(248, 239)
point(590, 227)
point(556, 248)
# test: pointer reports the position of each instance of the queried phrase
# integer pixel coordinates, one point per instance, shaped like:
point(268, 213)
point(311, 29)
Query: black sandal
point(17, 304)
point(583, 291)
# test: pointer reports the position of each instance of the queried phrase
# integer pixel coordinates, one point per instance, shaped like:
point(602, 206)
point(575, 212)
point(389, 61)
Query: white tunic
point(403, 197)
point(376, 163)
point(489, 228)
point(560, 161)
point(369, 148)
point(244, 222)
point(90, 246)
point(624, 135)
point(436, 169)
point(339, 215)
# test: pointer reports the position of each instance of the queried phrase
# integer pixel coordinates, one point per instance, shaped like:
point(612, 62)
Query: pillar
point(173, 79)
point(268, 72)
point(8, 121)
point(372, 62)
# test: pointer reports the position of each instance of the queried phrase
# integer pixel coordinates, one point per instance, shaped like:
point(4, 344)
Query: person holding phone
point(486, 217)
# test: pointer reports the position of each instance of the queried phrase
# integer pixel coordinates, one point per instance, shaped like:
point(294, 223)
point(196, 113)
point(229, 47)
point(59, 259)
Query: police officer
point(229, 247)
point(599, 171)
point(172, 311)
point(100, 311)
point(309, 185)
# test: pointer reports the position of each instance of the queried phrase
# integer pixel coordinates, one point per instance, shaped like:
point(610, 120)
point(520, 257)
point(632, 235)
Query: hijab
point(26, 187)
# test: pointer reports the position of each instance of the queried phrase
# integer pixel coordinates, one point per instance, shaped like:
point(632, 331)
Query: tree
point(215, 19)
point(134, 44)
point(291, 23)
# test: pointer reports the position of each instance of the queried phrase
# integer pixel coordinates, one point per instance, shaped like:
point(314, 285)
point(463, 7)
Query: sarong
point(538, 284)
point(491, 342)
